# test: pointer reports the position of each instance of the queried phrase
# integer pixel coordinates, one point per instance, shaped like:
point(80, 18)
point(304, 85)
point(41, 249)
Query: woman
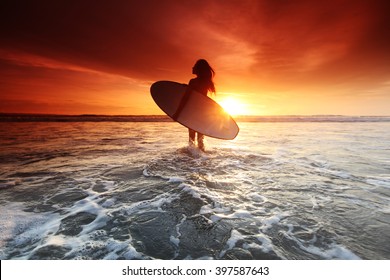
point(203, 83)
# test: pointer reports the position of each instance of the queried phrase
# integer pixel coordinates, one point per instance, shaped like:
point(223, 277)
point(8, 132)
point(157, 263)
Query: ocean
point(285, 188)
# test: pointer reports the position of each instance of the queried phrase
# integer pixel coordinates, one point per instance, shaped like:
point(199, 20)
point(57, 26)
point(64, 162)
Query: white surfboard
point(200, 112)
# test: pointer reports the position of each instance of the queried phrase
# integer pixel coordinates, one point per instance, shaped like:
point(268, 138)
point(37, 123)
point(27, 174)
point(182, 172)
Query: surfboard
point(200, 113)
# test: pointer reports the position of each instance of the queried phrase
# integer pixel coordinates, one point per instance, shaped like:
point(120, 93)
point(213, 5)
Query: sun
point(232, 106)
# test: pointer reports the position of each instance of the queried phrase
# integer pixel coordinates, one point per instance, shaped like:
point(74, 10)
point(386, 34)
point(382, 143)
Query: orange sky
point(272, 57)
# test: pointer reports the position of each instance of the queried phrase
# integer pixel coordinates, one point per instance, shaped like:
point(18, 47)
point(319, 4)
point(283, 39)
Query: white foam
point(171, 179)
point(235, 236)
point(329, 251)
point(145, 172)
point(99, 222)
point(25, 224)
point(89, 204)
point(266, 243)
point(385, 210)
point(191, 190)
point(11, 219)
point(270, 221)
point(379, 182)
point(194, 152)
point(56, 240)
point(239, 214)
point(258, 198)
point(176, 239)
point(84, 246)
point(314, 202)
point(19, 228)
point(132, 253)
point(109, 203)
point(334, 252)
point(175, 180)
point(114, 247)
point(151, 204)
point(207, 209)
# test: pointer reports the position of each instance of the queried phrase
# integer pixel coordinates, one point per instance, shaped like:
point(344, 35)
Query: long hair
point(206, 73)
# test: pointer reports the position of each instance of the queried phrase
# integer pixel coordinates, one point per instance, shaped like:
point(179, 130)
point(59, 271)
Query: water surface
point(135, 190)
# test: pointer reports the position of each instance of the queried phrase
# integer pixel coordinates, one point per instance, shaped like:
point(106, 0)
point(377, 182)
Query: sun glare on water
point(233, 106)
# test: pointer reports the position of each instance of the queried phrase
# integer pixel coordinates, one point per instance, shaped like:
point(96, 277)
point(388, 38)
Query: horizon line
point(164, 115)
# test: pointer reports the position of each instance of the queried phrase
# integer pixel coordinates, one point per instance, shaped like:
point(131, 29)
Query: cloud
point(40, 85)
point(296, 37)
point(128, 38)
point(141, 37)
point(275, 45)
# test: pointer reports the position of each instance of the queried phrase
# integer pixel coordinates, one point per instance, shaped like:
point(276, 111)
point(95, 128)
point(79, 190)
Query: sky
point(271, 57)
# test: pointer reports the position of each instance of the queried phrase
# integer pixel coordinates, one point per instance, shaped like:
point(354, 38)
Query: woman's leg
point(191, 134)
point(201, 141)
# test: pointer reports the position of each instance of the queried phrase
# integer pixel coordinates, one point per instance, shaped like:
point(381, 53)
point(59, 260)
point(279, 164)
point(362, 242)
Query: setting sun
point(233, 106)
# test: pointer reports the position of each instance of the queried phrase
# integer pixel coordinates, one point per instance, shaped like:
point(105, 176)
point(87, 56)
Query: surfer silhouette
point(203, 83)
